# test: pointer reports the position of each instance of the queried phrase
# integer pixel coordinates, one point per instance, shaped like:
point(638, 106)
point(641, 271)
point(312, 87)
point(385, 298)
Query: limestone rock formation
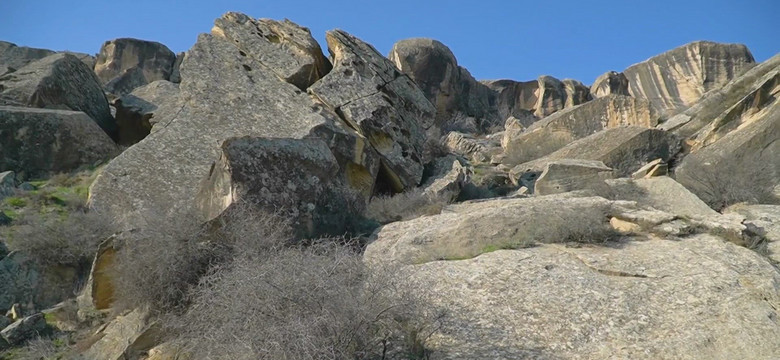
point(449, 87)
point(678, 78)
point(39, 142)
point(227, 90)
point(124, 64)
point(381, 103)
point(624, 149)
point(13, 57)
point(564, 127)
point(646, 299)
point(764, 218)
point(287, 48)
point(59, 81)
point(611, 82)
point(126, 336)
point(566, 175)
point(135, 111)
point(542, 97)
point(662, 193)
point(447, 185)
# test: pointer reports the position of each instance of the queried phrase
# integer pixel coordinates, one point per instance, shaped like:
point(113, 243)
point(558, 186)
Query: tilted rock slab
point(59, 81)
point(450, 87)
point(676, 79)
point(611, 82)
point(135, 111)
point(646, 299)
point(125, 64)
point(38, 143)
point(226, 92)
point(624, 149)
point(566, 175)
point(558, 130)
point(13, 57)
point(381, 103)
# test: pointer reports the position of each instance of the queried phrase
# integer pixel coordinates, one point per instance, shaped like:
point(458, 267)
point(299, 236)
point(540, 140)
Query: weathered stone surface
point(175, 73)
point(16, 57)
point(469, 146)
point(741, 101)
point(468, 229)
point(558, 130)
point(656, 167)
point(447, 186)
point(676, 79)
point(18, 276)
point(611, 82)
point(381, 103)
point(576, 93)
point(7, 183)
point(542, 97)
point(652, 299)
point(767, 219)
point(98, 293)
point(59, 81)
point(743, 165)
point(224, 94)
point(449, 87)
point(124, 64)
point(39, 142)
point(624, 149)
point(571, 174)
point(63, 316)
point(135, 111)
point(24, 329)
point(297, 178)
point(127, 336)
point(287, 49)
point(662, 193)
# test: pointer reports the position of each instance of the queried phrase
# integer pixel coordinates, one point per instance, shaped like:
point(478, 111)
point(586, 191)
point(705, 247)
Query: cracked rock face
point(379, 102)
point(643, 298)
point(125, 64)
point(226, 91)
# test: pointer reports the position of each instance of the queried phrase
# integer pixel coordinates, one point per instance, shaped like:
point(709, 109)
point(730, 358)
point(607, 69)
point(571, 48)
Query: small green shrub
point(15, 201)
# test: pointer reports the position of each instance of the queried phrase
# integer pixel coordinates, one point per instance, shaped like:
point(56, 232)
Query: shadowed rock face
point(226, 91)
point(676, 79)
point(40, 142)
point(610, 83)
point(135, 111)
point(450, 87)
point(564, 127)
point(542, 97)
point(59, 81)
point(124, 64)
point(381, 103)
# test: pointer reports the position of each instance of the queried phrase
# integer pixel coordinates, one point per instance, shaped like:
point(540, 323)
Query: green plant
point(15, 201)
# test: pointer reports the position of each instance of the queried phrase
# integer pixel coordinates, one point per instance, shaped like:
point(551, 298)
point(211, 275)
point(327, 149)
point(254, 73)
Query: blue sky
point(493, 39)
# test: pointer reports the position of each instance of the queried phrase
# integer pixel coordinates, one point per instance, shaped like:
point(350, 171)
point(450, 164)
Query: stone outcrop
point(126, 336)
point(227, 91)
point(381, 103)
point(24, 329)
point(564, 127)
point(542, 97)
point(647, 299)
point(59, 81)
point(37, 143)
point(135, 111)
point(449, 87)
point(566, 175)
point(295, 178)
point(287, 48)
point(611, 82)
point(743, 165)
point(447, 185)
point(624, 149)
point(13, 57)
point(764, 219)
point(125, 64)
point(662, 193)
point(678, 78)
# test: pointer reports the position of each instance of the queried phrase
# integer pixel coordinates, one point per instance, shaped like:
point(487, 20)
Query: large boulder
point(227, 90)
point(564, 127)
point(646, 299)
point(662, 193)
point(571, 174)
point(287, 48)
point(14, 57)
point(37, 143)
point(134, 111)
point(382, 103)
point(611, 82)
point(742, 165)
point(576, 93)
point(127, 336)
point(764, 218)
point(124, 64)
point(24, 329)
point(59, 81)
point(678, 78)
point(450, 87)
point(297, 178)
point(624, 149)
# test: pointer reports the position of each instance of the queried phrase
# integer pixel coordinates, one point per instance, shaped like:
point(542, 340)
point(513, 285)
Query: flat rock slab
point(649, 299)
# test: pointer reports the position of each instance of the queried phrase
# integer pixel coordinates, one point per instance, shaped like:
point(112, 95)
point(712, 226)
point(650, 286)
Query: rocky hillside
point(255, 198)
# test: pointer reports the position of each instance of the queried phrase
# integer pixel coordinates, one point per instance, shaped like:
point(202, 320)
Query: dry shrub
point(305, 302)
point(404, 206)
point(69, 239)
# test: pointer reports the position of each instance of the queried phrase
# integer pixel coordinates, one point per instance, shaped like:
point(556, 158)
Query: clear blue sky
point(518, 40)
